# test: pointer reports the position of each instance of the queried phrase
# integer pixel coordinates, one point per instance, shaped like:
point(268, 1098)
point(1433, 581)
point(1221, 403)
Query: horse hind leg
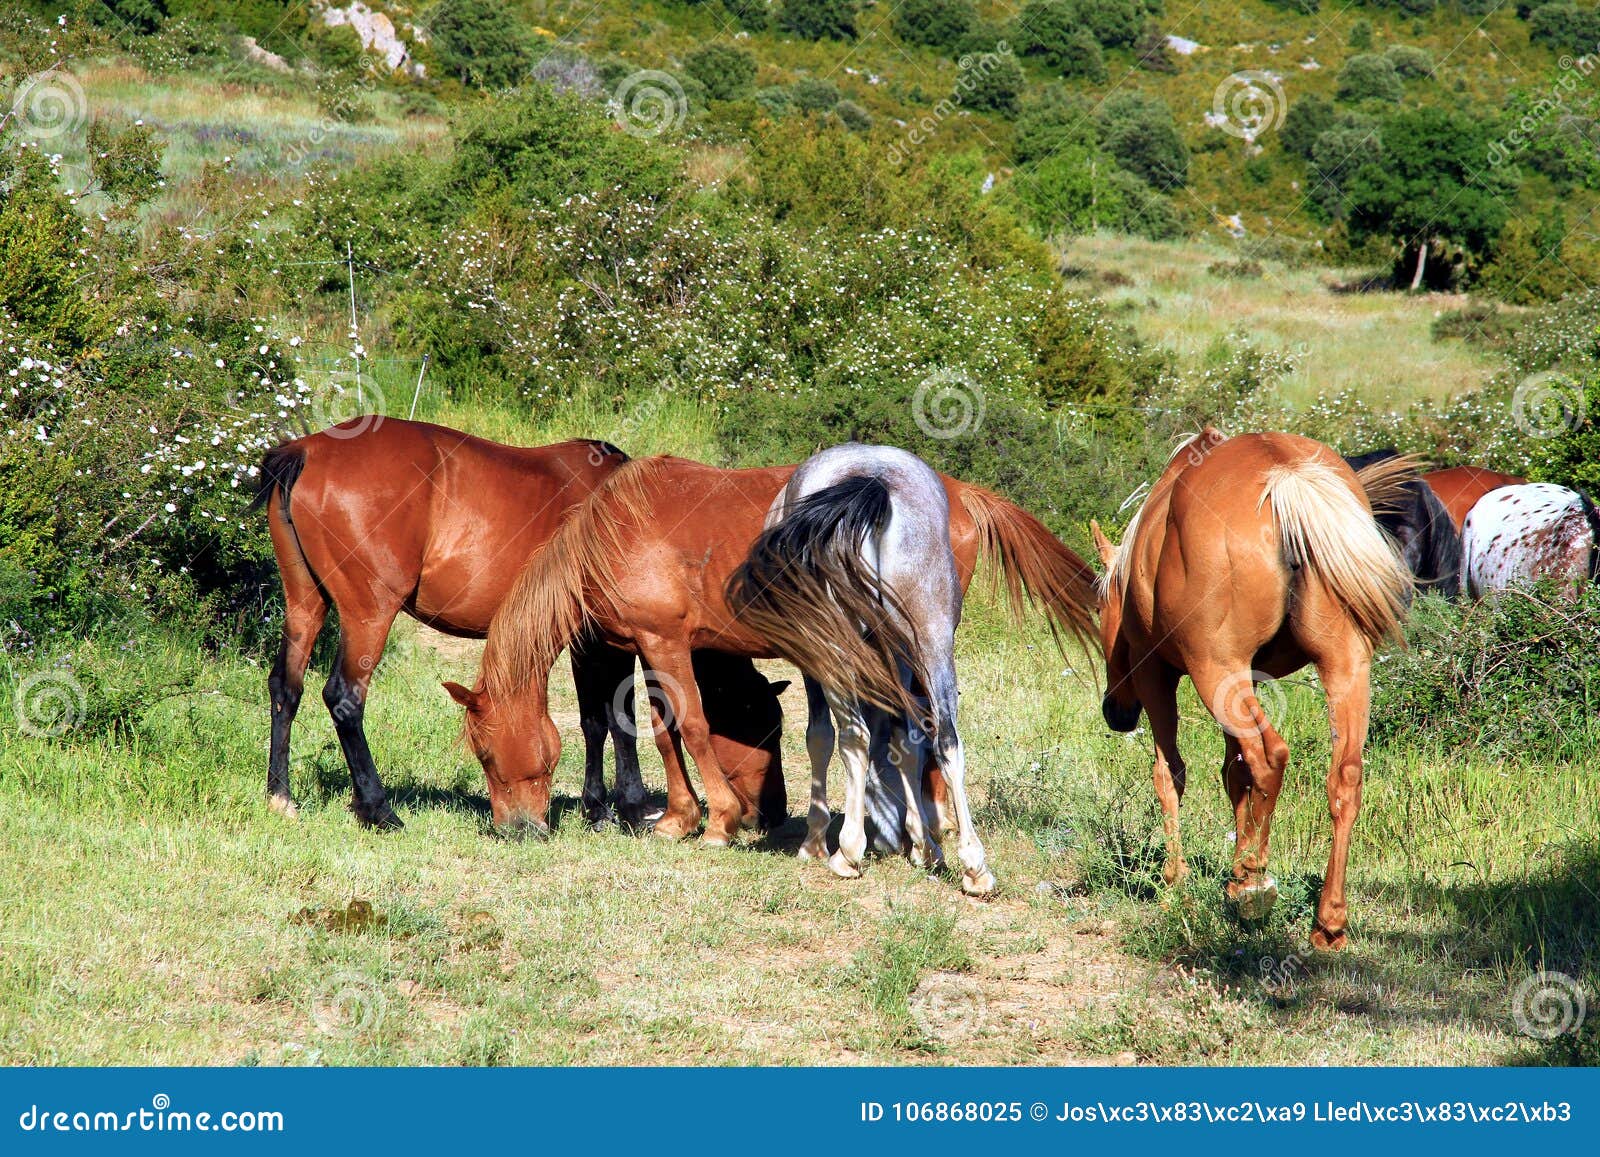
point(1345, 681)
point(1256, 759)
point(361, 644)
point(976, 878)
point(305, 610)
point(1157, 690)
point(855, 753)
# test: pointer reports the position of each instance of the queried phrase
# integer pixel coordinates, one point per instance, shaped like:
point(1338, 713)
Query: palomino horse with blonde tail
point(644, 565)
point(1250, 558)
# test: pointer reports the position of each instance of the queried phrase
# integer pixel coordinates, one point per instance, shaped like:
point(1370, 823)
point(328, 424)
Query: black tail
point(806, 589)
point(280, 470)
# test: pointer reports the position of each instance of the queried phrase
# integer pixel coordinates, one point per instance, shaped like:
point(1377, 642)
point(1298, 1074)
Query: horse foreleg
point(819, 746)
point(671, 663)
point(976, 878)
point(1346, 684)
point(1158, 691)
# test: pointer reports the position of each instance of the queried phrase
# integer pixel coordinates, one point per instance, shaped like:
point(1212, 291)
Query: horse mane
point(554, 596)
point(1192, 446)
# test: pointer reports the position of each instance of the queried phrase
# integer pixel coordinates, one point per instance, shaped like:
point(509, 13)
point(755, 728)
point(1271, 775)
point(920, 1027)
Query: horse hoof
point(812, 850)
point(1254, 901)
point(1324, 941)
point(843, 868)
point(284, 806)
point(670, 828)
point(382, 821)
point(979, 884)
point(715, 840)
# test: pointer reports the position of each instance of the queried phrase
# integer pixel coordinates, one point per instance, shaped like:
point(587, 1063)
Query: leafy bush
point(1565, 27)
point(992, 82)
point(1114, 23)
point(1410, 62)
point(934, 23)
point(1307, 119)
point(852, 116)
point(1337, 155)
point(40, 258)
point(1515, 677)
point(1563, 333)
point(727, 72)
point(819, 19)
point(752, 15)
point(1537, 261)
point(813, 94)
point(1139, 131)
point(1053, 118)
point(1052, 32)
point(480, 43)
point(1369, 76)
point(1078, 190)
point(1571, 457)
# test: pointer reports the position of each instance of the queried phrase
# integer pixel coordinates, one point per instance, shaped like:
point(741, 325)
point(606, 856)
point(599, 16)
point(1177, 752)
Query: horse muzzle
point(1119, 716)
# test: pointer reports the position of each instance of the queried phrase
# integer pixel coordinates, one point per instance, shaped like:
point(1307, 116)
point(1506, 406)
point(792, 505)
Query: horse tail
point(1386, 477)
point(1037, 568)
point(281, 468)
point(1327, 529)
point(809, 589)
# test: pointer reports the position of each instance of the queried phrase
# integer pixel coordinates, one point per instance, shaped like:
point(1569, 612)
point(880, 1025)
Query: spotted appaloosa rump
point(1519, 534)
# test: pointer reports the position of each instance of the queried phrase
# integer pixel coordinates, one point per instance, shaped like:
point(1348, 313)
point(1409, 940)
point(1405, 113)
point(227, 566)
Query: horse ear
point(462, 695)
point(1102, 543)
point(780, 686)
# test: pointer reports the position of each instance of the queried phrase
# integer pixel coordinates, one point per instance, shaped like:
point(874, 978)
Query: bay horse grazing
point(376, 516)
point(1458, 488)
point(1250, 558)
point(854, 581)
point(1520, 534)
point(1429, 540)
point(644, 564)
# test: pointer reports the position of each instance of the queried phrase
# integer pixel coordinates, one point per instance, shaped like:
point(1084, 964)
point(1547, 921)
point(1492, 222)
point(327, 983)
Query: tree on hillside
point(1433, 188)
point(1139, 131)
point(934, 23)
point(819, 19)
point(728, 73)
point(1370, 76)
point(480, 43)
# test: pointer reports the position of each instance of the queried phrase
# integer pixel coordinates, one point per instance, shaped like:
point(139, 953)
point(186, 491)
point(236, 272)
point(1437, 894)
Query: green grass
point(154, 912)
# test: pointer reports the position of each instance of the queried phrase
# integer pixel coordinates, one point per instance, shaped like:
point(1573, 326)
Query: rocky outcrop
point(377, 33)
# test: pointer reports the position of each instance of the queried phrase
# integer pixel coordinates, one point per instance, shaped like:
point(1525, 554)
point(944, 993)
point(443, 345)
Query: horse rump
point(807, 588)
point(281, 468)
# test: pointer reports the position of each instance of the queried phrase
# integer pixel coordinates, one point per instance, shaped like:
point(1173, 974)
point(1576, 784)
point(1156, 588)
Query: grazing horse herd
point(1250, 558)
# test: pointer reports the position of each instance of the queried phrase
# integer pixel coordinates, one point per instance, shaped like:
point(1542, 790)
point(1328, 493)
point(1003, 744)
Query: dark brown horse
point(645, 565)
point(1252, 557)
point(377, 516)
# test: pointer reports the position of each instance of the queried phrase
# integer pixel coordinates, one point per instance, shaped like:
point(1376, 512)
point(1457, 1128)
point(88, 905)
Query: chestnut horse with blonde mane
point(644, 565)
point(1250, 558)
point(378, 516)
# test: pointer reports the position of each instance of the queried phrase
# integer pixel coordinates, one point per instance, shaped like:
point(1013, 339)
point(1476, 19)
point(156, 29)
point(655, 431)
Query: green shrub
point(752, 15)
point(1571, 456)
point(1337, 155)
point(1517, 677)
point(934, 23)
point(481, 43)
point(1075, 190)
point(728, 73)
point(1053, 118)
point(852, 116)
point(813, 94)
point(992, 82)
point(1410, 62)
point(1053, 33)
point(1139, 131)
point(1361, 35)
point(1369, 76)
point(40, 263)
point(819, 19)
point(1307, 119)
point(1536, 261)
point(1114, 23)
point(1565, 27)
point(1563, 333)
